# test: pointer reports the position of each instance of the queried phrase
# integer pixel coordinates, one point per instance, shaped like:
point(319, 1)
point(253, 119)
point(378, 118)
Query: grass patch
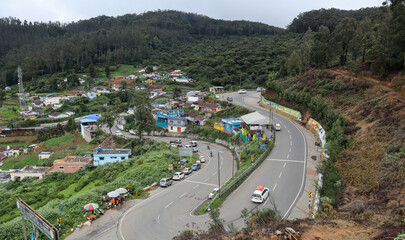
point(11, 164)
point(54, 141)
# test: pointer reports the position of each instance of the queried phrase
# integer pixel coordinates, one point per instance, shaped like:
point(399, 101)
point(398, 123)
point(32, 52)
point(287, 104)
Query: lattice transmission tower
point(21, 88)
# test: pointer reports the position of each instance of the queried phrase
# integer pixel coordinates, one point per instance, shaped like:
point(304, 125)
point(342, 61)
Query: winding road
point(169, 211)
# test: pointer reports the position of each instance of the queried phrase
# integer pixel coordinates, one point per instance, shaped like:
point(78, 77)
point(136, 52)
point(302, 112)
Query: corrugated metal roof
point(255, 118)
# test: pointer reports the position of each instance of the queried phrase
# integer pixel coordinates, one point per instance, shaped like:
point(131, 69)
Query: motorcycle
point(211, 154)
point(208, 146)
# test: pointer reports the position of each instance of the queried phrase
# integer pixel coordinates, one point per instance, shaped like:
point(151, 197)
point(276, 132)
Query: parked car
point(198, 161)
point(183, 161)
point(172, 145)
point(242, 91)
point(195, 149)
point(187, 171)
point(278, 127)
point(260, 194)
point(132, 132)
point(230, 99)
point(178, 176)
point(195, 167)
point(211, 195)
point(118, 131)
point(188, 146)
point(202, 159)
point(165, 182)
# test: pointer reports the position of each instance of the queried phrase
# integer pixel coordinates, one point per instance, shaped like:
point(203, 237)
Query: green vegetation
point(80, 188)
point(54, 141)
point(10, 163)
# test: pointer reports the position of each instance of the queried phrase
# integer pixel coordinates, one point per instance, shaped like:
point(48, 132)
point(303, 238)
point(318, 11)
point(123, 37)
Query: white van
point(278, 127)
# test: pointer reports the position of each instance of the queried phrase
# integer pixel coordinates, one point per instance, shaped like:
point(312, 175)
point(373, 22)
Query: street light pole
point(219, 179)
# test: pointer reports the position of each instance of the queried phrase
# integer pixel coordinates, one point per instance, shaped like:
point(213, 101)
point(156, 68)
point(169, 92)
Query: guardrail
point(247, 172)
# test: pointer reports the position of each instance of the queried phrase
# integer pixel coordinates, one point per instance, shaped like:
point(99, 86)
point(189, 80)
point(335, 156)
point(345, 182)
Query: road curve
point(168, 212)
point(283, 172)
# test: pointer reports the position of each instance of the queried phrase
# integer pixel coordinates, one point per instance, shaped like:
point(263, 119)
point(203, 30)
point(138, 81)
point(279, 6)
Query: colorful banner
point(276, 106)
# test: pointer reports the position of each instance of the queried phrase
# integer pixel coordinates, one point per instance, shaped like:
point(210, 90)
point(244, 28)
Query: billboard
point(39, 222)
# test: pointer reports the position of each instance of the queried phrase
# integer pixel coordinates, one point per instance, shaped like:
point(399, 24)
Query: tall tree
point(321, 51)
point(343, 36)
point(305, 49)
point(107, 119)
point(92, 71)
point(107, 71)
point(293, 64)
point(143, 117)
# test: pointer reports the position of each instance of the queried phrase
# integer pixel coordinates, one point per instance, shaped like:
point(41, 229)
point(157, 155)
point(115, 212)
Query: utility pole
point(219, 179)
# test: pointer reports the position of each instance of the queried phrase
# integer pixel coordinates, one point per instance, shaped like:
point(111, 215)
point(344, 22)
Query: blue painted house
point(88, 126)
point(162, 117)
point(103, 156)
point(230, 124)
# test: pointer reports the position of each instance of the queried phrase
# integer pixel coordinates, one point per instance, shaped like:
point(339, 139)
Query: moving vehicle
point(118, 131)
point(260, 194)
point(211, 195)
point(178, 176)
point(278, 127)
point(187, 171)
point(260, 89)
point(165, 182)
point(193, 143)
point(195, 149)
point(177, 141)
point(195, 167)
point(132, 132)
point(242, 91)
point(230, 99)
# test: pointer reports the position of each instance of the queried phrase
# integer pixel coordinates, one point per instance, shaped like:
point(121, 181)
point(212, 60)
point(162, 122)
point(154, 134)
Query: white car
point(202, 159)
point(260, 194)
point(195, 149)
point(241, 91)
point(213, 193)
point(178, 176)
point(132, 132)
point(278, 127)
point(260, 89)
point(118, 131)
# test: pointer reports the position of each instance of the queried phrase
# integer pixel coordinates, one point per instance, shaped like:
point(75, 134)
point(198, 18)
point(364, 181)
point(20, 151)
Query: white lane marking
point(284, 165)
point(290, 143)
point(284, 160)
point(303, 173)
point(288, 156)
point(182, 195)
point(214, 174)
point(206, 179)
point(288, 130)
point(168, 204)
point(196, 186)
point(281, 173)
point(290, 136)
point(199, 182)
point(158, 219)
point(289, 150)
point(275, 187)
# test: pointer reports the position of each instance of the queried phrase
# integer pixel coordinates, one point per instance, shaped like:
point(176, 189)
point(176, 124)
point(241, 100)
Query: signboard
point(127, 186)
point(262, 146)
point(319, 150)
point(185, 152)
point(309, 194)
point(41, 223)
point(253, 156)
point(59, 219)
point(170, 167)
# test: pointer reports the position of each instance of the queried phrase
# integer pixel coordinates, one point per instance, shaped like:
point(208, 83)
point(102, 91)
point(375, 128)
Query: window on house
point(61, 167)
point(122, 158)
point(171, 128)
point(101, 158)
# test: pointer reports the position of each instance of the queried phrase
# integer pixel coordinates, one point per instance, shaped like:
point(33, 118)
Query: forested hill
point(43, 48)
point(328, 18)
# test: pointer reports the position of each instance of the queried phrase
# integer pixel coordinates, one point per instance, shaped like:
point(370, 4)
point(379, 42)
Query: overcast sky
point(277, 13)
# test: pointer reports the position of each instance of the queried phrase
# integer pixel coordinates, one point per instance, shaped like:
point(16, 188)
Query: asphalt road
point(283, 172)
point(169, 212)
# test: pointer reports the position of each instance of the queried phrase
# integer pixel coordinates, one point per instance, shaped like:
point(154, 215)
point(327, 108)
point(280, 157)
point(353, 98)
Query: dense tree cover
point(378, 40)
point(49, 48)
point(327, 17)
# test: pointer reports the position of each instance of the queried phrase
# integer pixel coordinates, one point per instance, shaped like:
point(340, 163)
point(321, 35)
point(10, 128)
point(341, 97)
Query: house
point(71, 164)
point(88, 126)
point(216, 89)
point(192, 99)
point(36, 104)
point(219, 125)
point(10, 151)
point(254, 124)
point(103, 156)
point(156, 93)
point(7, 88)
point(230, 124)
point(162, 117)
point(44, 155)
point(209, 107)
point(176, 124)
point(57, 115)
point(91, 95)
point(30, 171)
point(196, 119)
point(70, 113)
